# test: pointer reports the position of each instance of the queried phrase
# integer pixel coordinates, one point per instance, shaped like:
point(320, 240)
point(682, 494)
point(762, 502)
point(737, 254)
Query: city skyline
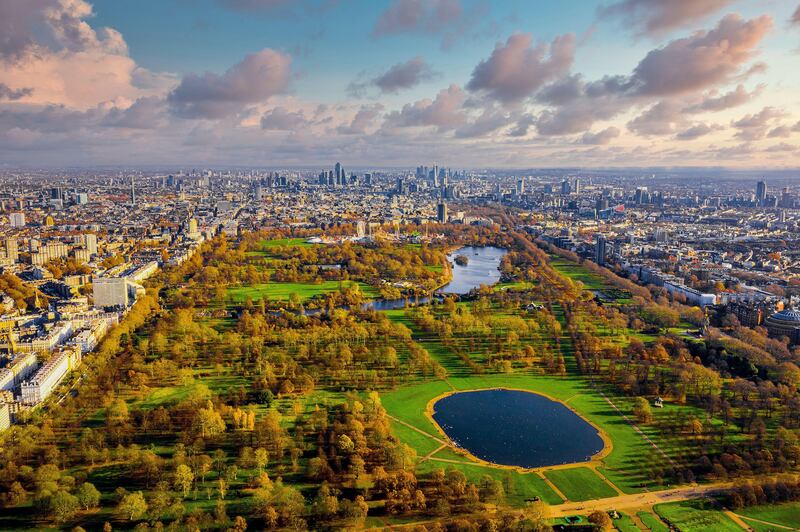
point(626, 83)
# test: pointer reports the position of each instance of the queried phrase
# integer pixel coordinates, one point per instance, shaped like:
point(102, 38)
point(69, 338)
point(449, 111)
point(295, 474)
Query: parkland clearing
point(262, 385)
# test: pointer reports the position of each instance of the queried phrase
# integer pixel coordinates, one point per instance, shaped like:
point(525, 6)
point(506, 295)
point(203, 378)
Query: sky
point(381, 83)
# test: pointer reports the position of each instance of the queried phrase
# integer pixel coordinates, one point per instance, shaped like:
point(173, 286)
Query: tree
point(601, 520)
point(132, 506)
point(62, 505)
point(209, 421)
point(88, 496)
point(261, 458)
point(184, 478)
point(642, 410)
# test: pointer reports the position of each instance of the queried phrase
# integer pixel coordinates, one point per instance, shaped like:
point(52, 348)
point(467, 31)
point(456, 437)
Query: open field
point(580, 484)
point(305, 291)
point(652, 522)
point(696, 516)
point(787, 514)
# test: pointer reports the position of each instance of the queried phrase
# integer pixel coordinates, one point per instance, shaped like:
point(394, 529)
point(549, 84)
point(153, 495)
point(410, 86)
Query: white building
point(38, 388)
point(17, 219)
point(110, 292)
point(19, 370)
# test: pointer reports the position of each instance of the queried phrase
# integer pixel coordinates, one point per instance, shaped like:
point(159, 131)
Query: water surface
point(516, 428)
point(480, 269)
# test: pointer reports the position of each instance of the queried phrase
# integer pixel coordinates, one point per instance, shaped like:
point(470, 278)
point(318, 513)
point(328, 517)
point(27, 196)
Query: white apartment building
point(41, 385)
point(19, 370)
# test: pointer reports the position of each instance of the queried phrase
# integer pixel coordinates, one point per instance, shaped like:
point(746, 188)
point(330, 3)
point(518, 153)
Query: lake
point(481, 268)
point(516, 428)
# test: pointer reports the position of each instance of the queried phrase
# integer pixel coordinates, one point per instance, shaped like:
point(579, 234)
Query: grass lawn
point(580, 484)
point(280, 242)
point(787, 514)
point(516, 285)
point(652, 522)
point(695, 516)
point(576, 272)
point(282, 291)
point(625, 524)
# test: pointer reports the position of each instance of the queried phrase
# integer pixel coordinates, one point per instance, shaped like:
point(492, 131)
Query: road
point(623, 502)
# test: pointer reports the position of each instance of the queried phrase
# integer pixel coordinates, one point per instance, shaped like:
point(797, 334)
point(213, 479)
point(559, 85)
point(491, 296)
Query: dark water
point(480, 269)
point(516, 428)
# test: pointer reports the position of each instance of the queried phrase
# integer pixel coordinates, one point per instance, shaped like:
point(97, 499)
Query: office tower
point(401, 188)
point(338, 169)
point(641, 196)
point(133, 190)
point(577, 185)
point(17, 219)
point(520, 186)
point(761, 193)
point(368, 179)
point(600, 250)
point(56, 193)
point(566, 188)
point(441, 212)
point(81, 198)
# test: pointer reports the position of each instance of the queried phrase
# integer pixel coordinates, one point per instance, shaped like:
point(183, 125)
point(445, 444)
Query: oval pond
point(516, 428)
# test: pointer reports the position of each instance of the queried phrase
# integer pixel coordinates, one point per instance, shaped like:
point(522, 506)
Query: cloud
point(660, 119)
point(668, 79)
point(445, 112)
point(516, 69)
point(587, 103)
point(281, 119)
point(364, 118)
point(755, 126)
point(696, 131)
point(704, 59)
point(490, 120)
point(734, 98)
point(48, 45)
point(257, 77)
point(795, 20)
point(522, 126)
point(417, 16)
point(601, 138)
point(656, 17)
point(145, 113)
point(780, 132)
point(7, 93)
point(404, 75)
point(254, 5)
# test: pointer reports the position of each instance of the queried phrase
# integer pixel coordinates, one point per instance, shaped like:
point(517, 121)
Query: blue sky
point(300, 81)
